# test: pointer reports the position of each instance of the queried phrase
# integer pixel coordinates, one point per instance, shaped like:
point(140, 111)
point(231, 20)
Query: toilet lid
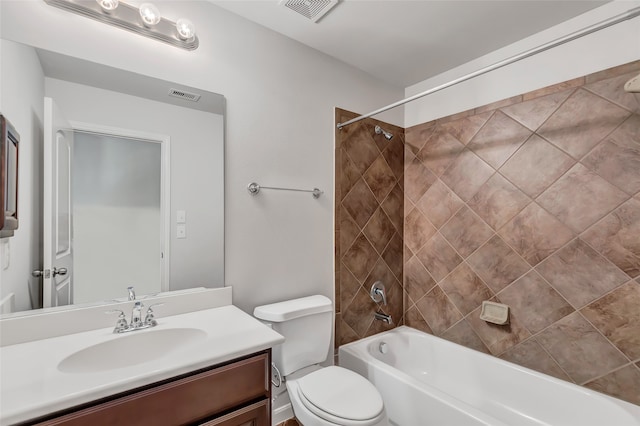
point(341, 393)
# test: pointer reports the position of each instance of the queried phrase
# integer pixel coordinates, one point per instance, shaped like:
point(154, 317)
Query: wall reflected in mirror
point(147, 183)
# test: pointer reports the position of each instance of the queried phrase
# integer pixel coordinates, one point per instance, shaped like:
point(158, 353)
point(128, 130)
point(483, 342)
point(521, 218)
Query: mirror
point(129, 142)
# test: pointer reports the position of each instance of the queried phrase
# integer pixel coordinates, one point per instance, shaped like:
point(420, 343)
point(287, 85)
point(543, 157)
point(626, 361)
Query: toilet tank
point(306, 325)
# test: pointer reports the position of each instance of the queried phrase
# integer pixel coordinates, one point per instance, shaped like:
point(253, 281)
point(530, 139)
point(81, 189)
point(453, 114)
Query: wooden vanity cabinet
point(237, 393)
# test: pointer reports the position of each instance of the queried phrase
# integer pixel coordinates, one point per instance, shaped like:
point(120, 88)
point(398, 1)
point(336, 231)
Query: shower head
point(380, 131)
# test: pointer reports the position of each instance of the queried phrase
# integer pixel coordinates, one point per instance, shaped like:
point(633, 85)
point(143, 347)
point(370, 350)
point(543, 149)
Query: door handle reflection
point(61, 271)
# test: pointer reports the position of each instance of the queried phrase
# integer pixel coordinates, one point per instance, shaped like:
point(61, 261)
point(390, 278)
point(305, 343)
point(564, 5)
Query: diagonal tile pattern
point(534, 302)
point(616, 237)
point(360, 203)
point(535, 234)
point(531, 355)
point(533, 113)
point(500, 137)
point(580, 274)
point(438, 311)
point(379, 230)
point(380, 178)
point(582, 122)
point(465, 289)
point(617, 159)
point(466, 174)
point(369, 224)
point(418, 230)
point(617, 316)
point(554, 175)
point(464, 129)
point(565, 204)
point(439, 151)
point(463, 334)
point(536, 165)
point(581, 197)
point(466, 231)
point(623, 383)
point(439, 203)
point(612, 89)
point(497, 264)
point(438, 257)
point(497, 201)
point(580, 350)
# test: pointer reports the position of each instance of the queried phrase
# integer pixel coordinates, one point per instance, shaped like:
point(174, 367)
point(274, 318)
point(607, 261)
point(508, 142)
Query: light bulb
point(108, 5)
point(186, 29)
point(149, 14)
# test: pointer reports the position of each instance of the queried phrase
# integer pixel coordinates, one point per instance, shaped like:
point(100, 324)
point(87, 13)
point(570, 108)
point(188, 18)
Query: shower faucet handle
point(378, 292)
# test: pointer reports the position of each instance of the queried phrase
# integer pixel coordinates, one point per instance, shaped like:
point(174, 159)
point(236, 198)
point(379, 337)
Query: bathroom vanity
point(210, 367)
point(234, 393)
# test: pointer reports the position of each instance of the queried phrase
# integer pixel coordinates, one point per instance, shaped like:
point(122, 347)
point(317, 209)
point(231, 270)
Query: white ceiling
point(403, 42)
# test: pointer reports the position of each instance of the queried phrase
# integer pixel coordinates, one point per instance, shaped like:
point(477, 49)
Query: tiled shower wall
point(533, 202)
point(369, 216)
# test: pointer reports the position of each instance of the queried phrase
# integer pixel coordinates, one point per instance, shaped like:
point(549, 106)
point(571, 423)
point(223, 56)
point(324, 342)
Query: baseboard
point(281, 414)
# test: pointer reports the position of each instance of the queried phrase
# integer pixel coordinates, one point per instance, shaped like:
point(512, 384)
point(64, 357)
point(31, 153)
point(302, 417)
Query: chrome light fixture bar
point(180, 34)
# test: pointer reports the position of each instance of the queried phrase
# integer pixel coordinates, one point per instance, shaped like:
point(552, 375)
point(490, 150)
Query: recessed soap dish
point(494, 312)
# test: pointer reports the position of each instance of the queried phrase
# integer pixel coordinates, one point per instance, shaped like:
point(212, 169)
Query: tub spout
point(380, 316)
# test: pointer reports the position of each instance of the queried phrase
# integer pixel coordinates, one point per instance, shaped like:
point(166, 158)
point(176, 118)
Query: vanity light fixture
point(108, 5)
point(185, 28)
point(149, 14)
point(145, 20)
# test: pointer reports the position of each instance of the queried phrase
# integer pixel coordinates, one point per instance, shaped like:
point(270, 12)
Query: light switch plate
point(181, 231)
point(181, 216)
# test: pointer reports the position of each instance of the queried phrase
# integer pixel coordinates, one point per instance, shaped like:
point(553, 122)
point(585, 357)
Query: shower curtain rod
point(629, 14)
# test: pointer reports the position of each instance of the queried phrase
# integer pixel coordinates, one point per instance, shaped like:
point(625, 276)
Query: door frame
point(165, 181)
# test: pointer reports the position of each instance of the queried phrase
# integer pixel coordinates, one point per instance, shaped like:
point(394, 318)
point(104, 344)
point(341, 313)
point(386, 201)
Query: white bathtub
point(425, 380)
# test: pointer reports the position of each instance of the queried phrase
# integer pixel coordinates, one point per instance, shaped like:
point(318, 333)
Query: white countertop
point(31, 384)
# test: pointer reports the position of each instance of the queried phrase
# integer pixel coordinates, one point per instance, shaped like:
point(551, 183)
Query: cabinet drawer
point(253, 415)
point(182, 401)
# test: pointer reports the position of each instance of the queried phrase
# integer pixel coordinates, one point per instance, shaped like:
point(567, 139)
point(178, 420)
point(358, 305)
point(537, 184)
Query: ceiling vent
point(313, 10)
point(193, 97)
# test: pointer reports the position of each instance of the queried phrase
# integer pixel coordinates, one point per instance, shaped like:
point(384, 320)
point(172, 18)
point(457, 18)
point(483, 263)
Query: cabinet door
point(253, 415)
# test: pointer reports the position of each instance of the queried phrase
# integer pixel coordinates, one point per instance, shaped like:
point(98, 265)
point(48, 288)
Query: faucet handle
point(378, 293)
point(150, 318)
point(121, 323)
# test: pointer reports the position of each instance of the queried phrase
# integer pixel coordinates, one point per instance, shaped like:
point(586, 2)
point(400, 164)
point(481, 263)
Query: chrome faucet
point(381, 316)
point(136, 322)
point(132, 294)
point(136, 315)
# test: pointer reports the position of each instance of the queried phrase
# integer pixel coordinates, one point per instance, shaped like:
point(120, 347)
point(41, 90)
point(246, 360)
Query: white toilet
point(319, 396)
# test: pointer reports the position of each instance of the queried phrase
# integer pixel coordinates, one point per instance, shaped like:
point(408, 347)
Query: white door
point(57, 271)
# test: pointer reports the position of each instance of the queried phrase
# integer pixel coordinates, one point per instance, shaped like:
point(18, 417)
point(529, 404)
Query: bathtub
point(425, 380)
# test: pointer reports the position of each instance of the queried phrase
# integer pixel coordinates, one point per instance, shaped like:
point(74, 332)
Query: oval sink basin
point(130, 349)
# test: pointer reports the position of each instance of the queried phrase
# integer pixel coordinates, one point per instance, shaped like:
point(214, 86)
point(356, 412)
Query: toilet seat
point(340, 396)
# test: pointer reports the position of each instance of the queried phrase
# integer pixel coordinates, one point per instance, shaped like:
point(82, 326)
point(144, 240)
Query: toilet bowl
point(336, 396)
point(320, 396)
